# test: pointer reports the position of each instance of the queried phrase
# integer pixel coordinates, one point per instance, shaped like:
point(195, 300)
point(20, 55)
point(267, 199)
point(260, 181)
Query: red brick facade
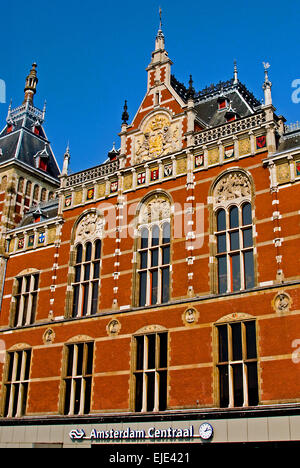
point(267, 179)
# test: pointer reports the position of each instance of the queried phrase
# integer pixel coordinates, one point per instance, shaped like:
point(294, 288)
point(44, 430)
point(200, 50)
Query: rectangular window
point(16, 383)
point(154, 265)
point(237, 364)
point(151, 373)
point(78, 378)
point(234, 248)
point(26, 300)
point(86, 279)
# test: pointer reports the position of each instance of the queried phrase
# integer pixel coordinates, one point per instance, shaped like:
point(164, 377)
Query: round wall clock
point(206, 431)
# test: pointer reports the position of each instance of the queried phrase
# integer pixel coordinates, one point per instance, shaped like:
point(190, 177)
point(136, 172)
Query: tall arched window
point(234, 234)
point(153, 262)
point(86, 266)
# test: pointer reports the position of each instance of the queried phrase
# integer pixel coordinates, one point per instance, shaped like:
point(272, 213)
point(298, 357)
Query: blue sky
point(92, 56)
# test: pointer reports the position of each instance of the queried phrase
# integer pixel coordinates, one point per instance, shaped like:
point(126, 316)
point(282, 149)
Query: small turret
point(30, 84)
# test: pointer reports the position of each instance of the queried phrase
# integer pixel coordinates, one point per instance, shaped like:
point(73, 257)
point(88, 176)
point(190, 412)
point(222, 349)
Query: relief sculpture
point(159, 138)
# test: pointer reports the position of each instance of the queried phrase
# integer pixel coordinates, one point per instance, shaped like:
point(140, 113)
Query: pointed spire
point(66, 161)
point(44, 109)
point(125, 115)
point(235, 73)
point(160, 38)
point(30, 84)
point(8, 119)
point(267, 85)
point(191, 90)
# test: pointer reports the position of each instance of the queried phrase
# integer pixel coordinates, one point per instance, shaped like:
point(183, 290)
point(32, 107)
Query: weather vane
point(160, 20)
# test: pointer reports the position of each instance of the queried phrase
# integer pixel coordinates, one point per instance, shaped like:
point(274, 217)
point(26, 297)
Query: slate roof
point(46, 211)
point(289, 141)
point(241, 100)
point(23, 144)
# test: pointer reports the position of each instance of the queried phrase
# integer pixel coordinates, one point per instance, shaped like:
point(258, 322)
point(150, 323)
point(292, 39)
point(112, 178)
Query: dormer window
point(231, 115)
point(37, 130)
point(43, 164)
point(222, 103)
point(41, 159)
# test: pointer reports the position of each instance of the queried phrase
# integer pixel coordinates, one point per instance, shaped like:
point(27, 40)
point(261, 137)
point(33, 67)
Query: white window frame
point(26, 300)
point(75, 377)
point(145, 371)
point(82, 283)
point(160, 265)
point(18, 386)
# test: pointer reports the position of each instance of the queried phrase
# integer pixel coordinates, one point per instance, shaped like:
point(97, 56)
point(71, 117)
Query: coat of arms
point(159, 138)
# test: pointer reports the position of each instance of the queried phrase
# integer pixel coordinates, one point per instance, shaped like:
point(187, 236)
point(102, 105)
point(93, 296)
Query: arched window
point(43, 195)
point(86, 266)
point(28, 189)
point(36, 191)
point(4, 183)
point(153, 262)
point(234, 234)
point(20, 185)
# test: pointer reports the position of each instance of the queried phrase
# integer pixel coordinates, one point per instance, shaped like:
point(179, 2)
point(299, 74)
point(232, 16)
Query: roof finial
point(191, 89)
point(267, 85)
point(160, 19)
point(44, 109)
point(125, 115)
point(30, 84)
point(160, 38)
point(235, 73)
point(66, 161)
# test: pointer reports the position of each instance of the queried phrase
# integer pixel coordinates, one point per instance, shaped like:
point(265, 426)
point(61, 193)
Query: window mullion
point(245, 384)
point(29, 302)
point(242, 266)
point(156, 391)
point(145, 365)
point(82, 395)
point(90, 292)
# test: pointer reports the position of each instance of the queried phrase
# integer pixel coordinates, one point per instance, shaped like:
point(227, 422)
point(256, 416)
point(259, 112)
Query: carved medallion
point(48, 336)
point(113, 328)
point(190, 316)
point(282, 302)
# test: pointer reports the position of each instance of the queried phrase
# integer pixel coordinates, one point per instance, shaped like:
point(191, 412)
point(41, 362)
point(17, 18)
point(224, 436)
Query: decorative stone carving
point(157, 209)
point(282, 302)
point(159, 138)
point(113, 328)
point(232, 186)
point(283, 173)
point(235, 316)
point(49, 336)
point(90, 227)
point(151, 329)
point(190, 316)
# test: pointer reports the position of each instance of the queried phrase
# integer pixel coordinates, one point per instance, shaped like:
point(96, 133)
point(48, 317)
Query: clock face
point(205, 431)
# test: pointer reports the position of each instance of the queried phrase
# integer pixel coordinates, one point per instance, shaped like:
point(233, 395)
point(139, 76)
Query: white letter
point(295, 97)
point(296, 353)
